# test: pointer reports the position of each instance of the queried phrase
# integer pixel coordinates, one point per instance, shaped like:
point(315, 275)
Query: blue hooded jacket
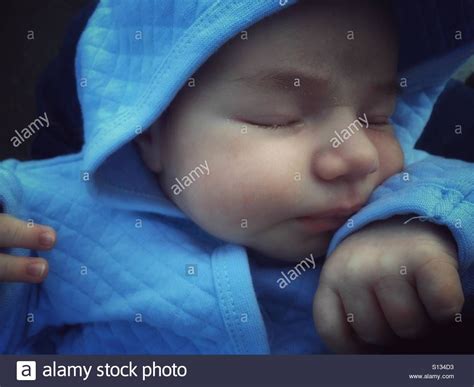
point(130, 272)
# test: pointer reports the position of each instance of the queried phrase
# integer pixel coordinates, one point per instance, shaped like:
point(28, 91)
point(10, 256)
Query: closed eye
point(274, 126)
point(379, 121)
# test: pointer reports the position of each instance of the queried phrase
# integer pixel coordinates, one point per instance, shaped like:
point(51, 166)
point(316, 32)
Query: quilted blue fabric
point(130, 272)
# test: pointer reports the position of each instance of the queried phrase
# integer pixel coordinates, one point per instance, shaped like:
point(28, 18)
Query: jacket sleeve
point(16, 306)
point(436, 189)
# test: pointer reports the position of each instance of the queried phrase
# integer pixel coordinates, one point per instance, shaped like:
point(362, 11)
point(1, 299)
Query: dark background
point(24, 60)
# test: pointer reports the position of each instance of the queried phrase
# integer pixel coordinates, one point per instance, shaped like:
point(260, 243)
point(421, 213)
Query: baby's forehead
point(312, 83)
point(309, 39)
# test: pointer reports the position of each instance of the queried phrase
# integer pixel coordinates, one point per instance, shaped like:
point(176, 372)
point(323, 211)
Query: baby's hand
point(385, 282)
point(16, 233)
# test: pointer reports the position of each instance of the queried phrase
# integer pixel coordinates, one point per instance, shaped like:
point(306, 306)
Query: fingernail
point(36, 269)
point(46, 239)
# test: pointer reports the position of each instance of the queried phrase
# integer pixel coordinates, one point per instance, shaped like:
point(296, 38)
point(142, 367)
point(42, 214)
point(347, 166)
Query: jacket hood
point(134, 57)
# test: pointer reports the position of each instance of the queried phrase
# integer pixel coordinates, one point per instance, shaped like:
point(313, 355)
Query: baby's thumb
point(439, 287)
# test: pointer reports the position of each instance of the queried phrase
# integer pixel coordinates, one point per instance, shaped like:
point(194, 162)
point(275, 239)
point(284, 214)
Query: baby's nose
point(354, 158)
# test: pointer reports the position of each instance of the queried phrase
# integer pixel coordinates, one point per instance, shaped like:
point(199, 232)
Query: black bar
point(293, 371)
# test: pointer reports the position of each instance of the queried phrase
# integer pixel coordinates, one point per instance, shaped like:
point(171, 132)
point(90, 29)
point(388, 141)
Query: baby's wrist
point(427, 233)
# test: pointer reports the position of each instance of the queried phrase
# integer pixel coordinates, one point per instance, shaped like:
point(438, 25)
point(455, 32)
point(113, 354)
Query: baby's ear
point(148, 145)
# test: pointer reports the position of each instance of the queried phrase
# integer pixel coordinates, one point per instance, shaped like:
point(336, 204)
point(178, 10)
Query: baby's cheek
point(242, 198)
point(390, 154)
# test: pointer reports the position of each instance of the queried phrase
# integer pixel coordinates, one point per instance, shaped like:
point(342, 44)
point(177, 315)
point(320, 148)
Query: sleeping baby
point(216, 166)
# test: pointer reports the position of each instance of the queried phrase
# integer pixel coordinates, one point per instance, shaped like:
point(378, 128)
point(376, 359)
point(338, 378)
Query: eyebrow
point(286, 80)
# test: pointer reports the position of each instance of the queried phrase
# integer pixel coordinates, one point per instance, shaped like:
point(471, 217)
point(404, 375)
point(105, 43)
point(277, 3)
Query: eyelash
point(274, 126)
point(383, 121)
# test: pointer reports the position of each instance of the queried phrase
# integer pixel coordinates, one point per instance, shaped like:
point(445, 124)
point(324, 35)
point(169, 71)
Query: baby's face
point(263, 115)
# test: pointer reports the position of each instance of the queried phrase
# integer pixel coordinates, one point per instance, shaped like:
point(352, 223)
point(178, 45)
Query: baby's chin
point(294, 251)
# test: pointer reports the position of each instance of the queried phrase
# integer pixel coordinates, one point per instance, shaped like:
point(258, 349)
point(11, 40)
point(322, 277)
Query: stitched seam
point(225, 307)
point(232, 305)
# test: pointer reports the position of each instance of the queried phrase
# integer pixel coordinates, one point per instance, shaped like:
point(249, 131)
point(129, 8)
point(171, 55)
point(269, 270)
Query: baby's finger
point(368, 320)
point(17, 233)
point(401, 306)
point(440, 290)
point(331, 323)
point(22, 269)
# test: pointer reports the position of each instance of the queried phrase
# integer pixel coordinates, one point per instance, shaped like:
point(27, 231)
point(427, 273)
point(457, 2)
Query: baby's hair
point(384, 5)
